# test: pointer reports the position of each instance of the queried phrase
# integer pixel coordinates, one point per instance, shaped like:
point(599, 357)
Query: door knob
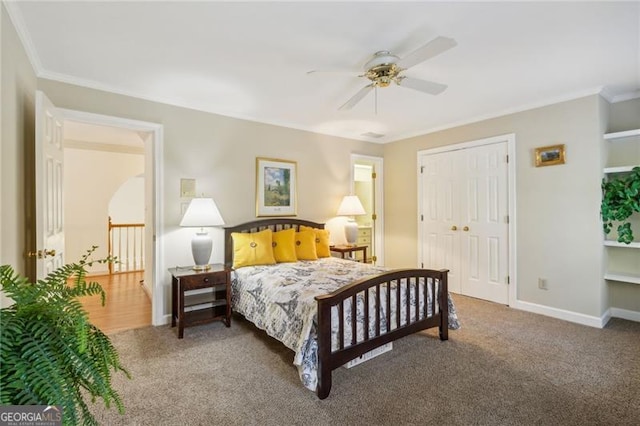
point(466, 228)
point(454, 228)
point(41, 254)
point(37, 254)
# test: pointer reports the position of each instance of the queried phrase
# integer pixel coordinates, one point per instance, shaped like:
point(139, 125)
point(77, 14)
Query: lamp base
point(201, 267)
point(201, 246)
point(351, 232)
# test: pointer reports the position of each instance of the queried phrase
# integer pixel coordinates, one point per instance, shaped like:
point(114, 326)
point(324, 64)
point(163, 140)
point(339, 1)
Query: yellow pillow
point(284, 245)
point(252, 248)
point(322, 240)
point(306, 245)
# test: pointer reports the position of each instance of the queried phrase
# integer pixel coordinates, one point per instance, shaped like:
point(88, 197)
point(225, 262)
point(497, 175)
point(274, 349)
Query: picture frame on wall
point(276, 187)
point(550, 155)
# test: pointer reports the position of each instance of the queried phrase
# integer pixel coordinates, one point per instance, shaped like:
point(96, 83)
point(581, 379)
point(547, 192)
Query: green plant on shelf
point(620, 200)
point(50, 354)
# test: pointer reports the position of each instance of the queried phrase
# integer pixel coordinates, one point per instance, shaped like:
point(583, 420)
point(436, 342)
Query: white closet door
point(440, 217)
point(464, 209)
point(483, 223)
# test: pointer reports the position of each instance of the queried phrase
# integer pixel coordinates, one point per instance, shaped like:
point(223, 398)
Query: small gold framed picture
point(550, 155)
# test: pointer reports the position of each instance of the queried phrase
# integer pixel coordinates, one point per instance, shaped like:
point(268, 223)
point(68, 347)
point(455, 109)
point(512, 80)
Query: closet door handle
point(466, 228)
point(454, 228)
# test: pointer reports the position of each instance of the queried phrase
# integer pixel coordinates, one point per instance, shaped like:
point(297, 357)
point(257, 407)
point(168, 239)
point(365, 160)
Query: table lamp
point(351, 206)
point(202, 212)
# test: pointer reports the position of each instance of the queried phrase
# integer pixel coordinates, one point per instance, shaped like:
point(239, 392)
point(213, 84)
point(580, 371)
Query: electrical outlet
point(542, 284)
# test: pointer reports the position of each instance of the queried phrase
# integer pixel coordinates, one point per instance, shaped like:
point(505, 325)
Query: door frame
point(379, 194)
point(153, 230)
point(510, 139)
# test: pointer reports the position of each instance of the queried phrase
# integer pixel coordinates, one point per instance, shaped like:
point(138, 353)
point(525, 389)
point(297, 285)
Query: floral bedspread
point(280, 299)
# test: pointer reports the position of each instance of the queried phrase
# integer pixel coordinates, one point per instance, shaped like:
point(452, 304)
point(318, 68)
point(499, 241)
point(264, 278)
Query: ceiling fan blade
point(356, 98)
point(422, 85)
point(429, 50)
point(355, 73)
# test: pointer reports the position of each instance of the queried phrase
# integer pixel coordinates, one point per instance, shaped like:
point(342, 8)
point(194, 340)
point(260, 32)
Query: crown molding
point(18, 22)
point(508, 111)
point(626, 97)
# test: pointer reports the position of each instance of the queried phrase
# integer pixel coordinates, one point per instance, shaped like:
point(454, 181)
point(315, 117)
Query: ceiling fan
point(386, 68)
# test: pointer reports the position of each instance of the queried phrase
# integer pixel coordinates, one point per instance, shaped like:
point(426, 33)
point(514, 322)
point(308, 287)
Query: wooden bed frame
point(328, 359)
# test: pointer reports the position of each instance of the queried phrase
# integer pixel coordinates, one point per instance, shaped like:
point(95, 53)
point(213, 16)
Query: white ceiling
point(250, 60)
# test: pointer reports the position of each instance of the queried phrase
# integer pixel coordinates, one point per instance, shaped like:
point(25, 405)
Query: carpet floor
point(503, 367)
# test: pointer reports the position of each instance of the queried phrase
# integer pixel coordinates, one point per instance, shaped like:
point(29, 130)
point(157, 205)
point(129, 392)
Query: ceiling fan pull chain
point(375, 107)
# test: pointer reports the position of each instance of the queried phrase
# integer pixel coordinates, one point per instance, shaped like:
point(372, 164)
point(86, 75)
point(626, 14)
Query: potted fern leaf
point(50, 354)
point(620, 199)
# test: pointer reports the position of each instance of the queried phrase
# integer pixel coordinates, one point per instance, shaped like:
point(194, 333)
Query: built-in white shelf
point(622, 277)
point(613, 243)
point(621, 169)
point(621, 135)
point(627, 260)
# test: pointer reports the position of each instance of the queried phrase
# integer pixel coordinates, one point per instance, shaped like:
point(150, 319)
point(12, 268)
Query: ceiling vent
point(372, 135)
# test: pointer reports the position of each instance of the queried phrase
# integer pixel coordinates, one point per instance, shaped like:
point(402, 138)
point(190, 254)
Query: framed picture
point(276, 186)
point(550, 155)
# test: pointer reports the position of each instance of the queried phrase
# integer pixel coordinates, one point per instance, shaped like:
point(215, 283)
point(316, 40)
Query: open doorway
point(104, 197)
point(152, 135)
point(367, 184)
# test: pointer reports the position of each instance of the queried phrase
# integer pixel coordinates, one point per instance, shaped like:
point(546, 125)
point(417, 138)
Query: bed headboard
point(259, 225)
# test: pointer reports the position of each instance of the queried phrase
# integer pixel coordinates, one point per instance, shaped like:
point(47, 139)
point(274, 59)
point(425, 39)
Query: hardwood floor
point(127, 305)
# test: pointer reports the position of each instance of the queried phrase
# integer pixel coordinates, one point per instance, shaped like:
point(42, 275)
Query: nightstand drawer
point(364, 232)
point(205, 280)
point(363, 241)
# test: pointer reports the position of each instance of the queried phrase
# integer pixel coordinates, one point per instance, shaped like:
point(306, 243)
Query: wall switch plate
point(542, 284)
point(187, 188)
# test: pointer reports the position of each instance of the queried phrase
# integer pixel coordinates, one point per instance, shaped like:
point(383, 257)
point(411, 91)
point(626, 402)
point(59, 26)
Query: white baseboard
point(591, 321)
point(166, 319)
point(625, 314)
point(606, 317)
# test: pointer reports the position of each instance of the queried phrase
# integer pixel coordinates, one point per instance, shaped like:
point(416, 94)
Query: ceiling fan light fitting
point(383, 75)
point(382, 57)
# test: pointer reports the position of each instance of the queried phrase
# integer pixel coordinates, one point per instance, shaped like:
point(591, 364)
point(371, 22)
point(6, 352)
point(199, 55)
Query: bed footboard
point(390, 315)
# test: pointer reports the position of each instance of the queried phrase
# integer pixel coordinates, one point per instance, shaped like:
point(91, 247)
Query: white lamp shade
point(351, 206)
point(202, 212)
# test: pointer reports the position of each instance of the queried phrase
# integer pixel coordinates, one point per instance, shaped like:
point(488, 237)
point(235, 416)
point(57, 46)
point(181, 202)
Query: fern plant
point(620, 199)
point(50, 354)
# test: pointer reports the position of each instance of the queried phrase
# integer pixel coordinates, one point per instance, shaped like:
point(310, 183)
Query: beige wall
point(91, 178)
point(624, 116)
point(557, 208)
point(220, 153)
point(17, 108)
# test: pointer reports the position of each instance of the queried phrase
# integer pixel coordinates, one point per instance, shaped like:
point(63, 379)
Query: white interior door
point(483, 223)
point(371, 195)
point(49, 167)
point(440, 206)
point(464, 225)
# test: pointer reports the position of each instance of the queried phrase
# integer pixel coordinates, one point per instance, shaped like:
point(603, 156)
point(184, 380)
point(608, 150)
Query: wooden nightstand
point(350, 249)
point(211, 303)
